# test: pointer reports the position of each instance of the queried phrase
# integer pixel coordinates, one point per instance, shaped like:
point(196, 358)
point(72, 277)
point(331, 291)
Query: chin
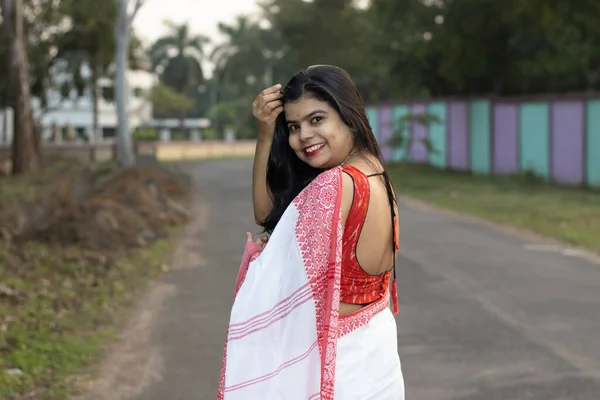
point(319, 162)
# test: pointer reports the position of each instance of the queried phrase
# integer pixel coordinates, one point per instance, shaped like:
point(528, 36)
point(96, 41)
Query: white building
point(72, 118)
point(75, 114)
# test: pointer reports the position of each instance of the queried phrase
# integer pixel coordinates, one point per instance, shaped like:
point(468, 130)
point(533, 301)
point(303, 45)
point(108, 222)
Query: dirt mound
point(105, 207)
point(172, 183)
point(99, 223)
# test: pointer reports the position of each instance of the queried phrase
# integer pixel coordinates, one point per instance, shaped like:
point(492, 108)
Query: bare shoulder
point(347, 195)
point(368, 165)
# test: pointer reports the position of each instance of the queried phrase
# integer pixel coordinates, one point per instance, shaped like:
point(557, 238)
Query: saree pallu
point(286, 338)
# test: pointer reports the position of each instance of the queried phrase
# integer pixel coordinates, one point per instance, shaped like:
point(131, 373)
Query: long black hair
point(287, 175)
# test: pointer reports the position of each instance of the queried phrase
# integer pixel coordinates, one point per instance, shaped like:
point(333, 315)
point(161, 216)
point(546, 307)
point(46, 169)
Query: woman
point(311, 317)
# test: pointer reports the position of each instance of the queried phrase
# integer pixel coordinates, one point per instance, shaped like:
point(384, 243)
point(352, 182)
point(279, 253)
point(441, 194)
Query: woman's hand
point(261, 241)
point(265, 108)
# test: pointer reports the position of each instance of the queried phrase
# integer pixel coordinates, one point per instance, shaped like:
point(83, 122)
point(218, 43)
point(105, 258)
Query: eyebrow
point(307, 116)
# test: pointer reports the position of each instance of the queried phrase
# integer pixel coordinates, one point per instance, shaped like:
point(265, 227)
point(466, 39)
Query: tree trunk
point(25, 150)
point(220, 75)
point(182, 117)
point(4, 134)
point(96, 132)
point(124, 149)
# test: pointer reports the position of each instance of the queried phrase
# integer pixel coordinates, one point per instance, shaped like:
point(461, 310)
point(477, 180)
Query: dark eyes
point(314, 120)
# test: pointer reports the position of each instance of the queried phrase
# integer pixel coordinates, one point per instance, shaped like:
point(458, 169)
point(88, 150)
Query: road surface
point(484, 314)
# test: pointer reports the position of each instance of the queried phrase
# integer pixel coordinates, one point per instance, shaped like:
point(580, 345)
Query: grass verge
point(77, 244)
point(568, 214)
point(64, 304)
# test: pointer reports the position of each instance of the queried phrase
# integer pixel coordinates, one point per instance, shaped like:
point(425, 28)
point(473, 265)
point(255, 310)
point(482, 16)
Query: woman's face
point(317, 133)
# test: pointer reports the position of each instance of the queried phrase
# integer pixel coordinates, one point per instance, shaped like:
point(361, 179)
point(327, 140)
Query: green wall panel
point(593, 143)
point(373, 115)
point(534, 138)
point(397, 113)
point(480, 136)
point(437, 134)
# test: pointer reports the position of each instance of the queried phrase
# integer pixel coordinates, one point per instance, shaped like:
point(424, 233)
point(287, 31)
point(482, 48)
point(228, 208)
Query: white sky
point(202, 16)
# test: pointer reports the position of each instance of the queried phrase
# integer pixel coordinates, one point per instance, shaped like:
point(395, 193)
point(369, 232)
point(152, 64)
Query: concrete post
point(165, 135)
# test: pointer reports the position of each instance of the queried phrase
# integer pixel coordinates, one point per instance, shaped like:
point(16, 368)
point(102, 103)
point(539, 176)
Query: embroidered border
point(357, 319)
point(318, 233)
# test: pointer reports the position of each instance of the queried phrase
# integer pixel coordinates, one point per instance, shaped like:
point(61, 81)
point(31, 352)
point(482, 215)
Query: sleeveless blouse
point(358, 286)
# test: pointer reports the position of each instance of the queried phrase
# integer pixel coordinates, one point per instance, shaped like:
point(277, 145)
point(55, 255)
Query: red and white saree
point(286, 339)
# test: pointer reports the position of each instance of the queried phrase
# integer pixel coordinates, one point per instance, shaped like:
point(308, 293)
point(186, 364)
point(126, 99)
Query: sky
point(202, 16)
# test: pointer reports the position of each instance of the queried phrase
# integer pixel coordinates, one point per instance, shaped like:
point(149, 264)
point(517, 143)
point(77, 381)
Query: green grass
point(68, 305)
point(25, 188)
point(568, 214)
point(61, 306)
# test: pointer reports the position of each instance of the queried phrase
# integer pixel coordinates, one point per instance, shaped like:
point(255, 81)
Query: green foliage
point(53, 46)
point(413, 48)
point(210, 134)
point(89, 31)
point(177, 57)
point(146, 135)
point(41, 30)
point(167, 101)
point(227, 113)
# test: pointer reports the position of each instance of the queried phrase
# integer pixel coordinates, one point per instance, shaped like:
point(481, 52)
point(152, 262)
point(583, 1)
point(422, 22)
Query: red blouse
point(358, 286)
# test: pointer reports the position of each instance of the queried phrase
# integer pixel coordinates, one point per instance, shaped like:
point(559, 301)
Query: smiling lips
point(311, 151)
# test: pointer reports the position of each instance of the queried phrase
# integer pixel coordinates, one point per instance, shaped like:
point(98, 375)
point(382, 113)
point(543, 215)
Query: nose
point(306, 134)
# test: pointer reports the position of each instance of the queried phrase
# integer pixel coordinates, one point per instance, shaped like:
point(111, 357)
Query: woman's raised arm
point(266, 107)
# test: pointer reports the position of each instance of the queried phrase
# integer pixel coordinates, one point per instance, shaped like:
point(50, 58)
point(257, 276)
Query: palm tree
point(243, 64)
point(177, 58)
point(248, 50)
point(90, 45)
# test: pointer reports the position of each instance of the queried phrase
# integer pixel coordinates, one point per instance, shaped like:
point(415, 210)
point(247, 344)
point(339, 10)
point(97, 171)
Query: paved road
point(483, 316)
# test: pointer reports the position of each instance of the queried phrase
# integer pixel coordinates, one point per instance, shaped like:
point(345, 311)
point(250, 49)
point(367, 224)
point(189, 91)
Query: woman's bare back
point(374, 249)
